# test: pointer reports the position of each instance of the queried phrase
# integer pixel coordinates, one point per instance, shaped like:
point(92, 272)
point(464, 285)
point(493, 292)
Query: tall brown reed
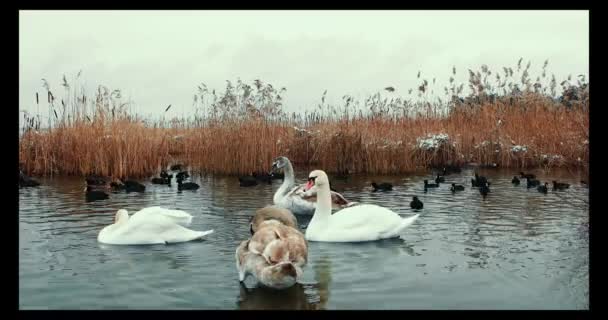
point(512, 122)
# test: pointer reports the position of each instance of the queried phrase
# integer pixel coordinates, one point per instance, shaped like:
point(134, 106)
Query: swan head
point(317, 178)
point(279, 163)
point(121, 215)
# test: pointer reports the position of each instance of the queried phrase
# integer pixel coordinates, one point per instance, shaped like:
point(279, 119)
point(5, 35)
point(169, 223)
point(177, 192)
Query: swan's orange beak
point(309, 185)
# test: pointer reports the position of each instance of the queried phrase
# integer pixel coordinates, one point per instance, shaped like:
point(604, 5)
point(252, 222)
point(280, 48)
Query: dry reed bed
point(125, 148)
point(244, 128)
point(385, 146)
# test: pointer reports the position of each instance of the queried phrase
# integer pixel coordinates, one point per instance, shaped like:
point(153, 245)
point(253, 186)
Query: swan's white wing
point(364, 223)
point(297, 205)
point(295, 189)
point(153, 229)
point(177, 216)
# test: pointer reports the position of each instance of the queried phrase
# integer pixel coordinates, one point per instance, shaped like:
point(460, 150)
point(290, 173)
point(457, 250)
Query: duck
point(479, 181)
point(186, 185)
point(364, 222)
point(153, 225)
point(292, 196)
point(176, 167)
point(278, 276)
point(382, 186)
point(165, 175)
point(182, 175)
point(282, 215)
point(262, 176)
point(515, 180)
point(93, 194)
point(160, 181)
point(560, 186)
point(527, 175)
point(25, 181)
point(248, 181)
point(456, 187)
point(416, 204)
point(439, 179)
point(543, 188)
point(451, 169)
point(530, 183)
point(95, 180)
point(484, 189)
point(430, 185)
point(133, 186)
point(277, 176)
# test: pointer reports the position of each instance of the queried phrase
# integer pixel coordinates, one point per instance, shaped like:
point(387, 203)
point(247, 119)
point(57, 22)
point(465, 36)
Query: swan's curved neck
point(323, 210)
point(288, 182)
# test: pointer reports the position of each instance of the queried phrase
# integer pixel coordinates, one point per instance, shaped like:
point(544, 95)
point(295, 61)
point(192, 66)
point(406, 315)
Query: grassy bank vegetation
point(507, 118)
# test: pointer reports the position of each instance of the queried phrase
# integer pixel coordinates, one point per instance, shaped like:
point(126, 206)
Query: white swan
point(289, 197)
point(154, 225)
point(364, 222)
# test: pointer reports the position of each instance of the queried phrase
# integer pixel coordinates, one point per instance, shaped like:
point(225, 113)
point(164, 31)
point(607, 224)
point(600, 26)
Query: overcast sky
point(159, 57)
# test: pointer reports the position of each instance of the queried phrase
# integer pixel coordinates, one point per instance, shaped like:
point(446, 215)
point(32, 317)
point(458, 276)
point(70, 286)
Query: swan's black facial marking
point(312, 179)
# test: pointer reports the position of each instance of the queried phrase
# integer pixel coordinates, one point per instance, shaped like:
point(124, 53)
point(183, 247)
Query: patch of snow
point(432, 141)
point(518, 149)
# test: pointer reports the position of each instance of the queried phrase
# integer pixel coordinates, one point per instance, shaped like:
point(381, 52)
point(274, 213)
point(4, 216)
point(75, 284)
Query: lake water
point(517, 249)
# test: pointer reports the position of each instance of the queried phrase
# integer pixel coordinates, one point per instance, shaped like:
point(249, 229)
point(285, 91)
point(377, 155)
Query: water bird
point(439, 179)
point(153, 225)
point(560, 186)
point(527, 175)
point(182, 175)
point(292, 196)
point(479, 181)
point(416, 204)
point(456, 187)
point(25, 181)
point(186, 185)
point(515, 180)
point(531, 183)
point(449, 169)
point(262, 176)
point(543, 188)
point(133, 186)
point(280, 275)
point(165, 175)
point(161, 180)
point(364, 222)
point(484, 189)
point(93, 194)
point(248, 181)
point(430, 185)
point(95, 180)
point(176, 167)
point(278, 243)
point(277, 176)
point(385, 186)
